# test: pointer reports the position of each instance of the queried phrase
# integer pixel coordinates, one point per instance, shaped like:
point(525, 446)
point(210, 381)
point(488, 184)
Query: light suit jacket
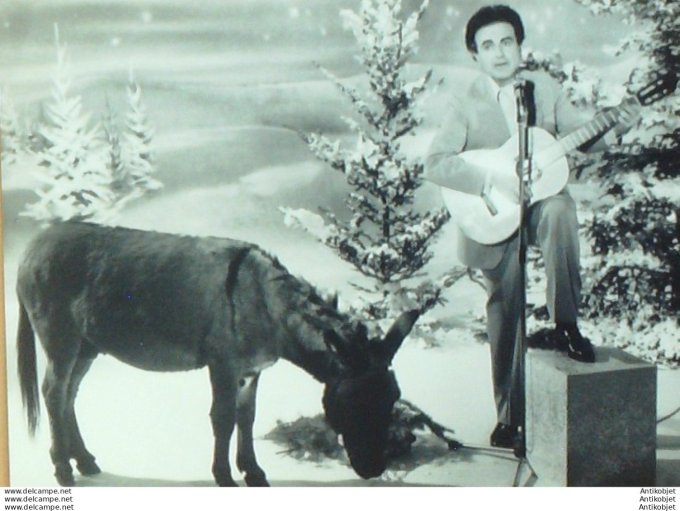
point(476, 121)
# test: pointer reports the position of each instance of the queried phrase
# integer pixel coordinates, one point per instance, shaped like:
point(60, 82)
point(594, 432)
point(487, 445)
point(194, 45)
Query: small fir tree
point(121, 182)
point(385, 239)
point(136, 144)
point(76, 183)
point(9, 130)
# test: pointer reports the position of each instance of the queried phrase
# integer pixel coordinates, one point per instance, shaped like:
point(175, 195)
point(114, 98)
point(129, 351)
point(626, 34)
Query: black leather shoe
point(504, 436)
point(569, 339)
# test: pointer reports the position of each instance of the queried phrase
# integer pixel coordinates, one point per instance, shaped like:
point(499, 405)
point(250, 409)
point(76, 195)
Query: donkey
point(164, 302)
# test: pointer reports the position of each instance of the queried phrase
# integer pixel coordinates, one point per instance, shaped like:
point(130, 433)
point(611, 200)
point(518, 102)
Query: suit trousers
point(553, 227)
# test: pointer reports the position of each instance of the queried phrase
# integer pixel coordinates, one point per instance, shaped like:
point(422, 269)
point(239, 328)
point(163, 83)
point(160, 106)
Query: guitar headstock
point(662, 84)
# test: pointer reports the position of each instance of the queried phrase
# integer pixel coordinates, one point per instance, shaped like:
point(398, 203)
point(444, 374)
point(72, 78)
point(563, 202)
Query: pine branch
point(357, 101)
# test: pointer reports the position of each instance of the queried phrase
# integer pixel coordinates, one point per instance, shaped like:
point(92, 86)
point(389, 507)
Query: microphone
point(524, 95)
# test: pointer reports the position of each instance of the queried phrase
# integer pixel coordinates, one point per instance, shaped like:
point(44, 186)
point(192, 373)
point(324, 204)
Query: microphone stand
point(524, 171)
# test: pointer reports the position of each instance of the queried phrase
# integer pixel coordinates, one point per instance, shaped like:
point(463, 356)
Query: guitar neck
point(601, 123)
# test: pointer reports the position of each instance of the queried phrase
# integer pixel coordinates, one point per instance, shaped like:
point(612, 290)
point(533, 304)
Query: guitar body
point(497, 218)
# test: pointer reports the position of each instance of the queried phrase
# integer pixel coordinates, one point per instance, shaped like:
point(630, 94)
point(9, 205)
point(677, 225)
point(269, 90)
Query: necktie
point(506, 100)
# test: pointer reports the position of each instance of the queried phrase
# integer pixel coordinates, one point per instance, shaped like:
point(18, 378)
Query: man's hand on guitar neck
point(629, 115)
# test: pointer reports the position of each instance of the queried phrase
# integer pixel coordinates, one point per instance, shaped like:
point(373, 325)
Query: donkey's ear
point(341, 347)
point(362, 333)
point(397, 333)
point(332, 339)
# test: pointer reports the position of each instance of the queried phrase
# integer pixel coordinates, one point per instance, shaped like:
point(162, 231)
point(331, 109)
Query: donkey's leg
point(245, 417)
point(223, 417)
point(84, 459)
point(55, 390)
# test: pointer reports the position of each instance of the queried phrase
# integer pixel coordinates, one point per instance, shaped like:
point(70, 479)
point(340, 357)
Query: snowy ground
point(149, 429)
point(229, 160)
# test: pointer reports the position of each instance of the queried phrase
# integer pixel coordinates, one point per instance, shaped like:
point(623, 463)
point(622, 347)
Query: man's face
point(498, 52)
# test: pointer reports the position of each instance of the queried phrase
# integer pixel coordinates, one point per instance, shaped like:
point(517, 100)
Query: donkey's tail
point(28, 374)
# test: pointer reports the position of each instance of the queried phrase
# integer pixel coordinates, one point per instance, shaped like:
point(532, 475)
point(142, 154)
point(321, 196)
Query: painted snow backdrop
point(227, 85)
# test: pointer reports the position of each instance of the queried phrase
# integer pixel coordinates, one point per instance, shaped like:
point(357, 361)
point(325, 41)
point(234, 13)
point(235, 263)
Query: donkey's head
point(359, 404)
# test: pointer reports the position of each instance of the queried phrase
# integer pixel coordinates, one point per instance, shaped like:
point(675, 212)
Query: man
point(485, 119)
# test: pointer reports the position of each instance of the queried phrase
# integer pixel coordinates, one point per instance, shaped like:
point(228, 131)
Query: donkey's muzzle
point(369, 470)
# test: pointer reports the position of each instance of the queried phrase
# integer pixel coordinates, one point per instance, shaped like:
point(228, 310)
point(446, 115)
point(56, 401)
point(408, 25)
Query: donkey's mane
point(306, 297)
point(312, 312)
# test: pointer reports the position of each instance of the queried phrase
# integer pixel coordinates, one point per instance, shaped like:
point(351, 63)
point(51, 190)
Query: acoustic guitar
point(493, 216)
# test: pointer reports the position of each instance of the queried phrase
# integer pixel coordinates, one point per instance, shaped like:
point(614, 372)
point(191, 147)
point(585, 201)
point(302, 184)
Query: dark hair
point(492, 14)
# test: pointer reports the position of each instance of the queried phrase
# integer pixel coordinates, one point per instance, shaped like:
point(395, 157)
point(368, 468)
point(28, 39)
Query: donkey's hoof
point(88, 467)
point(223, 478)
point(64, 476)
point(256, 479)
point(226, 483)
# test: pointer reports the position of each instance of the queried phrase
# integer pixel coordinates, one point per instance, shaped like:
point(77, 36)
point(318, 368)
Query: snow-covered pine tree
point(632, 285)
point(635, 234)
point(76, 181)
point(9, 130)
point(136, 144)
point(121, 183)
point(385, 239)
